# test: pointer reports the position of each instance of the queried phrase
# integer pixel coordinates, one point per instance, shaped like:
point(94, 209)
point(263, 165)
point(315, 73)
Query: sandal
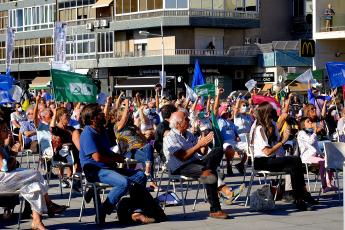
point(55, 209)
point(139, 217)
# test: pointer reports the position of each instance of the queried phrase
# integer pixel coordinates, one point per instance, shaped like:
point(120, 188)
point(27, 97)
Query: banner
point(9, 48)
point(73, 87)
point(190, 93)
point(60, 42)
point(198, 78)
point(205, 90)
point(336, 73)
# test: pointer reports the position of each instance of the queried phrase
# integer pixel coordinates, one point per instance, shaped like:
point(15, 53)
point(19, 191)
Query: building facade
point(330, 40)
point(104, 38)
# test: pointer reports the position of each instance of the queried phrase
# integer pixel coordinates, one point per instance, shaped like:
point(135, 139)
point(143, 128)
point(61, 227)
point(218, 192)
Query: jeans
point(142, 155)
point(194, 169)
point(120, 179)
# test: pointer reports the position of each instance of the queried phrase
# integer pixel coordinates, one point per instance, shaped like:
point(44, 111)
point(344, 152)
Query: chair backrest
point(12, 130)
point(44, 140)
point(334, 155)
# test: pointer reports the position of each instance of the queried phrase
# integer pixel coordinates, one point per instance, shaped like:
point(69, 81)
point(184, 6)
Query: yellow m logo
point(307, 48)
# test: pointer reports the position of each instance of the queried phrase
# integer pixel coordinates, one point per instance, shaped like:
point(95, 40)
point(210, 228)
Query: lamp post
point(146, 33)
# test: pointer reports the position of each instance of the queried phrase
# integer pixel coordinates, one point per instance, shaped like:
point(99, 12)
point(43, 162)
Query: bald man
point(181, 148)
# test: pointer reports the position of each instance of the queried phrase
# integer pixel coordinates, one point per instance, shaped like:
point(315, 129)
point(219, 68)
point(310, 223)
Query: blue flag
point(6, 82)
point(336, 73)
point(5, 97)
point(198, 79)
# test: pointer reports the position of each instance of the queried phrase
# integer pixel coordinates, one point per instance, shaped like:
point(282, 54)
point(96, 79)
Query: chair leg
point(187, 188)
point(196, 197)
point(96, 203)
point(249, 188)
point(82, 203)
point(70, 192)
point(183, 200)
point(159, 183)
point(306, 168)
point(20, 211)
point(316, 181)
point(166, 195)
point(338, 185)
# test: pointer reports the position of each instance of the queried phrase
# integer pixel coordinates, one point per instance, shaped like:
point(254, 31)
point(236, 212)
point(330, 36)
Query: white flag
point(16, 93)
point(250, 84)
point(9, 48)
point(60, 42)
point(305, 77)
point(190, 93)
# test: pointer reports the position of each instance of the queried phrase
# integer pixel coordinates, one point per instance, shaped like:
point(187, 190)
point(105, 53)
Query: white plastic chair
point(25, 152)
point(334, 159)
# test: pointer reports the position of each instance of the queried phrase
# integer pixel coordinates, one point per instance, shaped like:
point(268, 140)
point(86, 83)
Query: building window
point(32, 18)
point(76, 10)
point(81, 46)
point(3, 19)
point(105, 41)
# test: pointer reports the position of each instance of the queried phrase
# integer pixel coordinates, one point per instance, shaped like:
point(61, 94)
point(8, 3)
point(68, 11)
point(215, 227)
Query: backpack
point(262, 199)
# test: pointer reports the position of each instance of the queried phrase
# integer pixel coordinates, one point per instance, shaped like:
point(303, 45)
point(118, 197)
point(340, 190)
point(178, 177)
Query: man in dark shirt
point(162, 127)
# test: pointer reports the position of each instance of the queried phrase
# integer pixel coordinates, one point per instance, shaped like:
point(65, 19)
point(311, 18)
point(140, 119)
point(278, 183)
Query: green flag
point(217, 134)
point(205, 90)
point(73, 87)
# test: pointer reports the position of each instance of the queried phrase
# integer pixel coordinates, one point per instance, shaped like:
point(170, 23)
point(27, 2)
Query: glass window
point(182, 4)
point(250, 5)
point(126, 6)
point(218, 4)
point(118, 6)
point(134, 6)
point(158, 4)
point(206, 4)
point(239, 5)
point(20, 19)
point(196, 4)
point(150, 4)
point(142, 5)
point(170, 4)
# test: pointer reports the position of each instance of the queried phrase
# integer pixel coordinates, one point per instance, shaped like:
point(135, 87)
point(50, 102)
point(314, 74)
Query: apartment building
point(330, 40)
point(104, 38)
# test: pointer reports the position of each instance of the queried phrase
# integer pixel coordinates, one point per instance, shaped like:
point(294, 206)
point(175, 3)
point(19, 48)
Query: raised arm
point(121, 124)
point(118, 100)
point(107, 107)
point(237, 107)
point(36, 120)
point(208, 104)
point(217, 100)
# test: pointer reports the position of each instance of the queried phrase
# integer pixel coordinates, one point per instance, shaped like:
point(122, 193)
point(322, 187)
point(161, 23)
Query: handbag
point(262, 199)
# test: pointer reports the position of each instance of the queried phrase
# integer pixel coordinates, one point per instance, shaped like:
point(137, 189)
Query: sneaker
point(55, 209)
point(65, 183)
point(240, 168)
point(237, 192)
point(309, 199)
point(88, 195)
point(288, 197)
point(218, 215)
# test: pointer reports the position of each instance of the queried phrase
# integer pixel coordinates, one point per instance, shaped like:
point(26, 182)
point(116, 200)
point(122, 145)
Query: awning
point(317, 74)
point(102, 3)
point(40, 83)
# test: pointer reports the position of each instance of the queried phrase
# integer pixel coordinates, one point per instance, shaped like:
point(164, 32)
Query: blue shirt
point(227, 129)
point(90, 142)
point(28, 126)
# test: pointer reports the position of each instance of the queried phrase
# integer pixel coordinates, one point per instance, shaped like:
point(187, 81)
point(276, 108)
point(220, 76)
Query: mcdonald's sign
point(307, 48)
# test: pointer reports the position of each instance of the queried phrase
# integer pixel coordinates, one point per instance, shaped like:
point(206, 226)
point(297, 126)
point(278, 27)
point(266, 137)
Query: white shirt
point(259, 141)
point(307, 144)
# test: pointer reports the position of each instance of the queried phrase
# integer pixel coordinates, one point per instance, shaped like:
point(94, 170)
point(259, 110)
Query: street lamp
point(146, 33)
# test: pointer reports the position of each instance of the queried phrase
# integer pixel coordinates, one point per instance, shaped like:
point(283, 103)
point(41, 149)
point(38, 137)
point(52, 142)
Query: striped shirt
point(175, 142)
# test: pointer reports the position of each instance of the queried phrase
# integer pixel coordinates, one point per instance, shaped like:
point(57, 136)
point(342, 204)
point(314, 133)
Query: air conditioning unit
point(239, 74)
point(104, 23)
point(96, 24)
point(89, 26)
point(247, 40)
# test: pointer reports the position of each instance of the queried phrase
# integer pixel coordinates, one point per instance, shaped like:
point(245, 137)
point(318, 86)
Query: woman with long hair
point(266, 142)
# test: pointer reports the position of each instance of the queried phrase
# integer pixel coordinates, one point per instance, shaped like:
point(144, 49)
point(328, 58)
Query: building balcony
point(334, 31)
point(233, 56)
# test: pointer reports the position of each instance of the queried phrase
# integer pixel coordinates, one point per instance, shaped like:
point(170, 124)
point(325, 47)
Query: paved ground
point(329, 215)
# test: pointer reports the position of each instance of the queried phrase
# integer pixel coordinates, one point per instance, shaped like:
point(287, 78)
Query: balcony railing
point(232, 52)
point(338, 23)
point(190, 13)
